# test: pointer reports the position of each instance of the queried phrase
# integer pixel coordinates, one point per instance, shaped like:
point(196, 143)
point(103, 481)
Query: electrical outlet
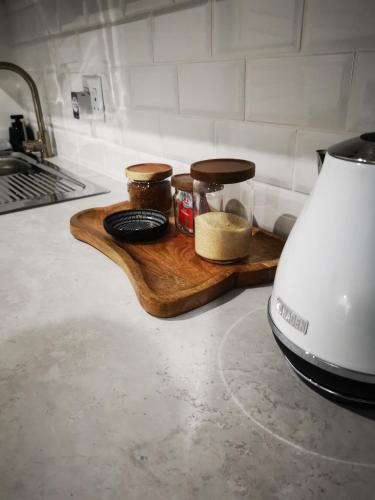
point(92, 84)
point(81, 104)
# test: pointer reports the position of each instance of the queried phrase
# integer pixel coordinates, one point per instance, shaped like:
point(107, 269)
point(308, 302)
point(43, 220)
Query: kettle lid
point(359, 149)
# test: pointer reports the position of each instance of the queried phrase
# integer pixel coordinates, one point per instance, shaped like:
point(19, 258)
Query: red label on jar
point(185, 212)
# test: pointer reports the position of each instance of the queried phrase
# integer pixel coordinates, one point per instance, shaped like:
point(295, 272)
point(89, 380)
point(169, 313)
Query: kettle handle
point(320, 153)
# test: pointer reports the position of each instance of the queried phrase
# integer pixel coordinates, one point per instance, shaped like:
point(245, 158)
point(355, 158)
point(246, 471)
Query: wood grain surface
point(168, 277)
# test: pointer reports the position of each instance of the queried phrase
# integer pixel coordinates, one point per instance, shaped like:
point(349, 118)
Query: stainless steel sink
point(27, 182)
point(10, 165)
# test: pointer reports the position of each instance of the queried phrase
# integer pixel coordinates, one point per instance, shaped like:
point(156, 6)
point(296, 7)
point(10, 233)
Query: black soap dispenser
point(17, 132)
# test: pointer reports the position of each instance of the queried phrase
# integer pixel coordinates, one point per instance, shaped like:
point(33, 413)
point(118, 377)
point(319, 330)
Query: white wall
point(266, 80)
point(8, 107)
point(11, 89)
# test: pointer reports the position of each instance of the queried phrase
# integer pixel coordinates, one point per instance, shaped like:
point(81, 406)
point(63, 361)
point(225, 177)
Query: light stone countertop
point(101, 401)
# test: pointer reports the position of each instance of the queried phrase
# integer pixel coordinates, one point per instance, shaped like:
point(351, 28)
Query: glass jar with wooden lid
point(183, 203)
point(149, 186)
point(223, 204)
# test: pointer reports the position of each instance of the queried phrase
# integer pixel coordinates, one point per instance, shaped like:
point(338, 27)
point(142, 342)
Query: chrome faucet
point(42, 144)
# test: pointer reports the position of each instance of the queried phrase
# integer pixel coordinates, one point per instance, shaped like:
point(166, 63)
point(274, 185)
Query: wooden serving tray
point(168, 277)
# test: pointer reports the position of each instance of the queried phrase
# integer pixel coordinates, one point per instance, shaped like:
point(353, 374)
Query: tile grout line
point(245, 94)
point(212, 27)
point(152, 35)
point(302, 26)
point(294, 159)
point(350, 89)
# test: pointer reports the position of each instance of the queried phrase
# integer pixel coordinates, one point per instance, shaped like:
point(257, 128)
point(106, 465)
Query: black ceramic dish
point(136, 225)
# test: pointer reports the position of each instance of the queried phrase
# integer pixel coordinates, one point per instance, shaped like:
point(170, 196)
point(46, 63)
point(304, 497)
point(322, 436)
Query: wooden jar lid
point(222, 170)
point(183, 182)
point(148, 172)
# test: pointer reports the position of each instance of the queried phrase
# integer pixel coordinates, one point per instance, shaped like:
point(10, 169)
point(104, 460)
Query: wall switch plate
point(92, 84)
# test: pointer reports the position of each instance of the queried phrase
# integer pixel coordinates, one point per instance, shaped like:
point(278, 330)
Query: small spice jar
point(149, 186)
point(183, 203)
point(223, 208)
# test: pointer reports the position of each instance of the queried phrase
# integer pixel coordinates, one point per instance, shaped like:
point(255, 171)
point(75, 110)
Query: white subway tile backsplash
point(15, 5)
point(132, 42)
point(141, 6)
point(67, 144)
point(109, 97)
point(179, 167)
point(306, 166)
point(361, 114)
point(154, 87)
point(25, 57)
point(141, 131)
point(95, 46)
point(48, 13)
point(34, 56)
point(6, 36)
point(27, 25)
point(66, 49)
point(257, 25)
point(109, 130)
point(270, 147)
point(55, 114)
point(164, 84)
point(78, 127)
point(117, 159)
point(187, 139)
point(92, 152)
point(11, 97)
point(308, 91)
point(184, 34)
point(99, 12)
point(120, 78)
point(71, 14)
point(277, 209)
point(152, 158)
point(35, 21)
point(73, 82)
point(52, 87)
point(338, 25)
point(212, 89)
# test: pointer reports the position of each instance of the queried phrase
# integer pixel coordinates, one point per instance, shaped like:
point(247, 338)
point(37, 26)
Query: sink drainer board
point(168, 277)
point(26, 182)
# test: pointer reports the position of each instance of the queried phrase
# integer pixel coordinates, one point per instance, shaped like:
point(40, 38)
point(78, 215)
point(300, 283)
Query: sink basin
point(27, 182)
point(10, 165)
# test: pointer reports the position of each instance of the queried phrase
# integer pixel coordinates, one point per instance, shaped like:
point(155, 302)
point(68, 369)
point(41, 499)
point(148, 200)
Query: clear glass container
point(183, 203)
point(149, 186)
point(223, 203)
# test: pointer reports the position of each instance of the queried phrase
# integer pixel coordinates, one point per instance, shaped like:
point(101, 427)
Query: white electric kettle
point(322, 307)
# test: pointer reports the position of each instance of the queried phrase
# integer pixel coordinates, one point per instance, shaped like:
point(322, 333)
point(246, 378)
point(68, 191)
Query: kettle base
point(341, 385)
point(330, 385)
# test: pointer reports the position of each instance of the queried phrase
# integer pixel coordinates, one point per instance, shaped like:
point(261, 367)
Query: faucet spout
point(43, 144)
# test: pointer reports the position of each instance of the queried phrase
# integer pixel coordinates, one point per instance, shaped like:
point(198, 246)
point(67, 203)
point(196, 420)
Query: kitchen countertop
point(99, 400)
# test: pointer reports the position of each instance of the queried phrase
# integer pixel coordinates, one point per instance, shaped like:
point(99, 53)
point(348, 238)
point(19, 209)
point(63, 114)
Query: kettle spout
point(320, 153)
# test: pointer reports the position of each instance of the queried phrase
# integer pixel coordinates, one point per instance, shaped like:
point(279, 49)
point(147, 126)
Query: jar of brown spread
point(149, 186)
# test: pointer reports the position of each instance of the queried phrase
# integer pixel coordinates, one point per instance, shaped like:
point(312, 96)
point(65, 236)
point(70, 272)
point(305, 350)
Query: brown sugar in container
point(149, 186)
point(223, 208)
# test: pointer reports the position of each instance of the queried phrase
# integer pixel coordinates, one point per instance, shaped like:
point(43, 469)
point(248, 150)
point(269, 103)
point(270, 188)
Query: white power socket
point(93, 85)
